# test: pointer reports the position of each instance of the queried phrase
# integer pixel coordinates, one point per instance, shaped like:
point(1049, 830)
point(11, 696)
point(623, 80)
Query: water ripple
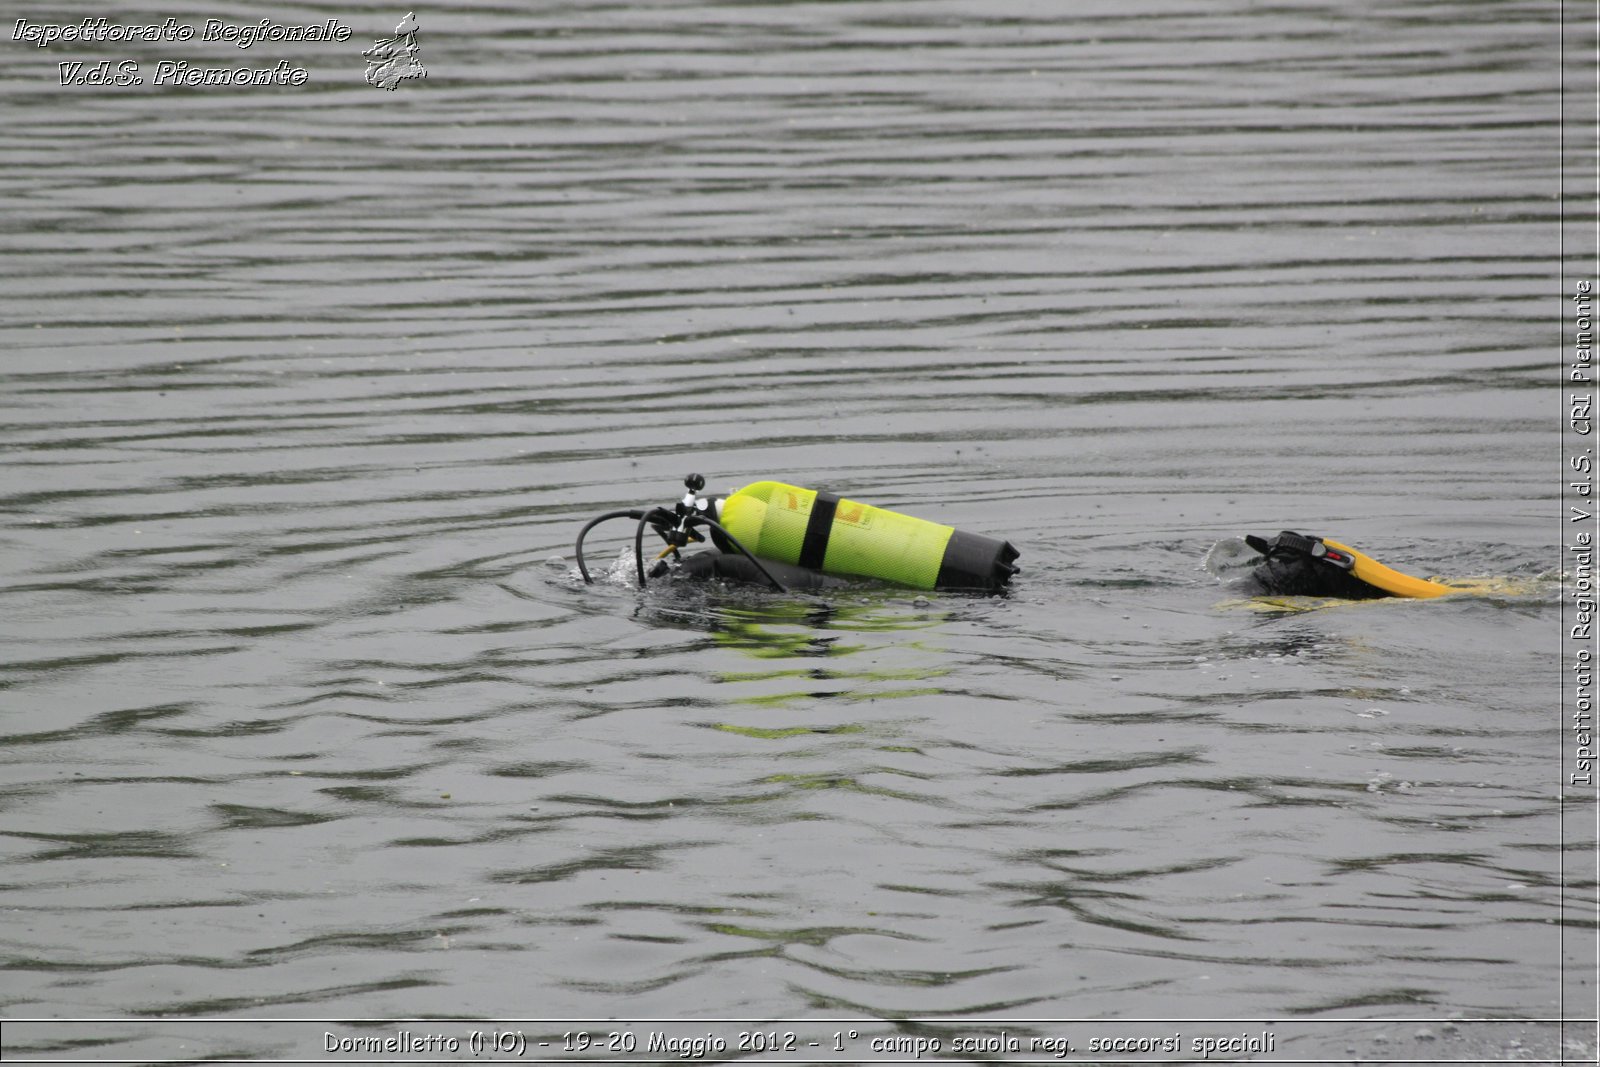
point(305, 395)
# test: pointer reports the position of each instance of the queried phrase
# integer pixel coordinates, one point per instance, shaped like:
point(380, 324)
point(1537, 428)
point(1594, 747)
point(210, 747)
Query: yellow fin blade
point(1388, 579)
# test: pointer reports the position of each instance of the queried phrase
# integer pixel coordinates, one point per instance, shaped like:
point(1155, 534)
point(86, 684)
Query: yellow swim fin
point(1388, 579)
point(1297, 565)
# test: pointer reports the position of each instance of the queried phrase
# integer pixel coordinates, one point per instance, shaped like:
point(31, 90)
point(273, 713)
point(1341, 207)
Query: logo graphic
point(394, 59)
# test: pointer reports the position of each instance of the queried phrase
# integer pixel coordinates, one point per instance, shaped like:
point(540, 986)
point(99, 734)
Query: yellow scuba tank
point(823, 532)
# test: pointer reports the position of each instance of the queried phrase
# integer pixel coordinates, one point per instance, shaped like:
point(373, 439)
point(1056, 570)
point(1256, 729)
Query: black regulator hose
point(638, 544)
point(660, 517)
point(632, 513)
point(705, 520)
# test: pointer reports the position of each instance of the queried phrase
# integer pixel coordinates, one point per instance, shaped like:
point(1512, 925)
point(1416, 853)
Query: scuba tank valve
point(676, 527)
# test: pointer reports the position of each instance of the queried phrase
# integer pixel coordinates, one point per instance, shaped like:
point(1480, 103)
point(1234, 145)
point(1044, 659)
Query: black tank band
point(818, 527)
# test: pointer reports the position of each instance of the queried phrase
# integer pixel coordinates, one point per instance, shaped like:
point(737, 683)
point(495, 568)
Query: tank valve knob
point(695, 482)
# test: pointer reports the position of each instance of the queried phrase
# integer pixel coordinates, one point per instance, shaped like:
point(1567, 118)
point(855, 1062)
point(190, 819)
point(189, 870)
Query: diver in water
point(785, 537)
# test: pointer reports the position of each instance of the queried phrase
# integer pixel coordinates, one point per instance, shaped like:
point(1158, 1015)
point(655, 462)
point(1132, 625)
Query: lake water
point(304, 387)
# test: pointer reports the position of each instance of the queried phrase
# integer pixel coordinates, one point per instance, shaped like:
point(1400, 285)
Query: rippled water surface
point(304, 388)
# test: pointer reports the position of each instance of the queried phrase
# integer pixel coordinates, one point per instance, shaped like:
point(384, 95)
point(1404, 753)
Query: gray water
point(304, 387)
